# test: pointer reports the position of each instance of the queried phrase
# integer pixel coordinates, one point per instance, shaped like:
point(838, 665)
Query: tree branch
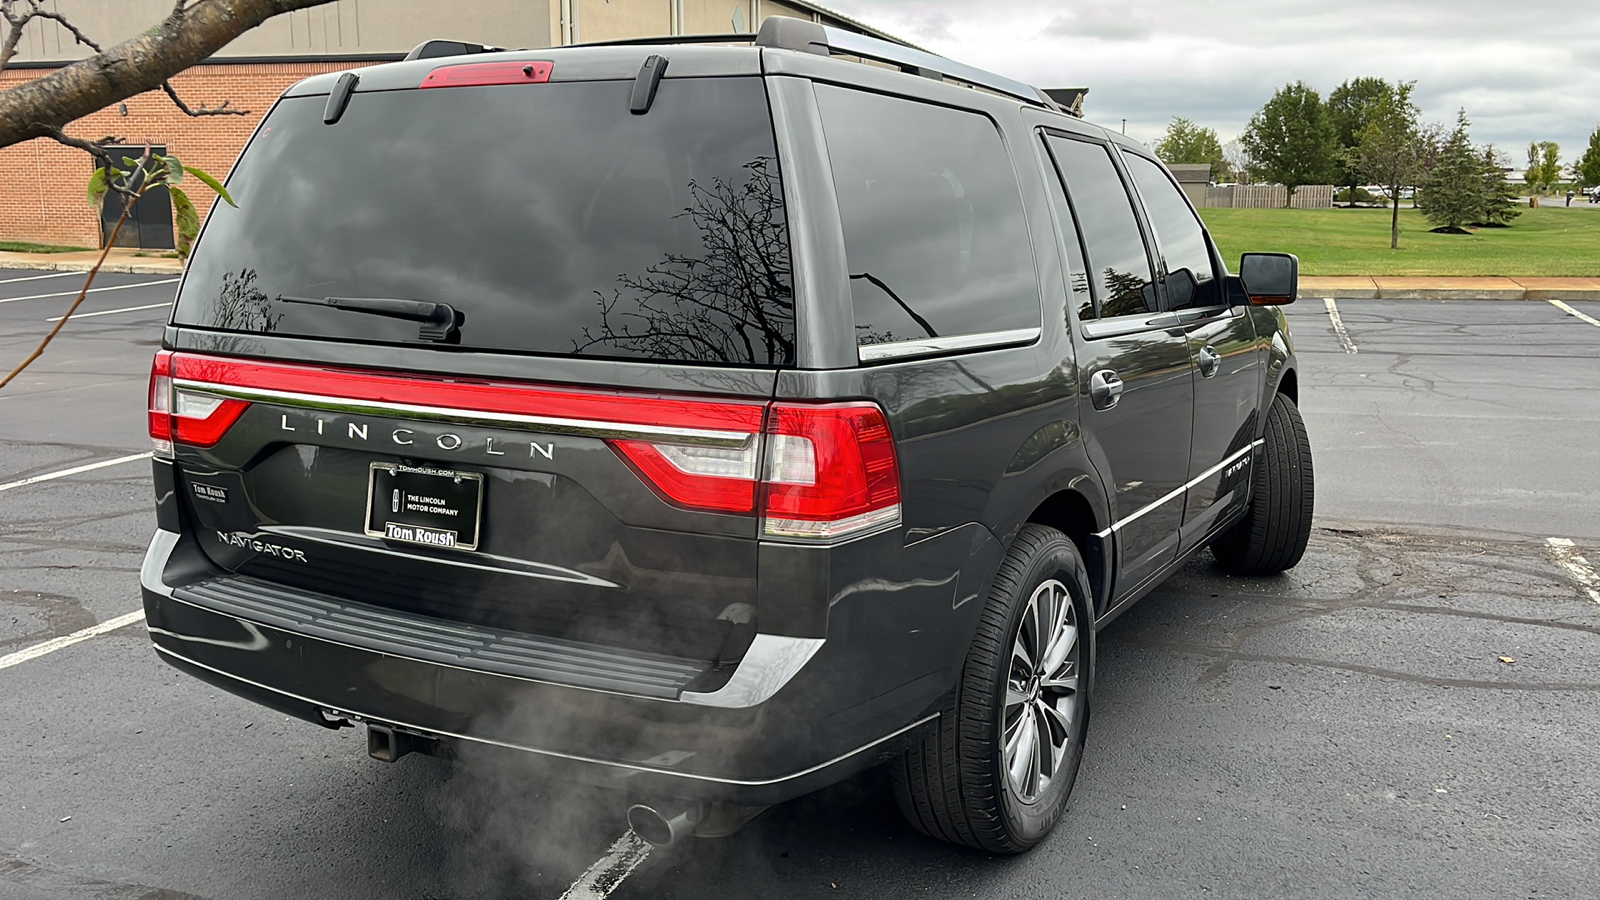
point(189, 35)
point(222, 110)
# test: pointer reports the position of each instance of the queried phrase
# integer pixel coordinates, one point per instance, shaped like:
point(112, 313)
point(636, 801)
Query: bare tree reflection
point(734, 303)
point(241, 306)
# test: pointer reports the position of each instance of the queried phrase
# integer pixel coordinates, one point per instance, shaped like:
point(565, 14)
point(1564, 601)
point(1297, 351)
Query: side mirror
point(1181, 286)
point(1270, 279)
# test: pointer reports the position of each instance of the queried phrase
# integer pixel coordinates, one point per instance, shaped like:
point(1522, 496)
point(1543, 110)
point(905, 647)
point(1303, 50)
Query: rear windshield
point(550, 217)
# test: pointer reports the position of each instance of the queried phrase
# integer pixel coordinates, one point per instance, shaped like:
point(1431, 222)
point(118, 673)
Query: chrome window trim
point(1179, 491)
point(545, 424)
point(929, 346)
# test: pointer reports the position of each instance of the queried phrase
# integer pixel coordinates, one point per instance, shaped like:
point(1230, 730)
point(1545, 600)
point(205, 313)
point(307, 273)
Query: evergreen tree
point(1499, 200)
point(1453, 192)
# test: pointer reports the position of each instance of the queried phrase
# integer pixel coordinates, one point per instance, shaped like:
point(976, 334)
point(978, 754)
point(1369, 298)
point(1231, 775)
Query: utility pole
point(1124, 126)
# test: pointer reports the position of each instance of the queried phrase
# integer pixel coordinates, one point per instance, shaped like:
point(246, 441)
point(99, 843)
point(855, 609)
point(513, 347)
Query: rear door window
point(1179, 234)
point(554, 220)
point(934, 230)
point(1119, 265)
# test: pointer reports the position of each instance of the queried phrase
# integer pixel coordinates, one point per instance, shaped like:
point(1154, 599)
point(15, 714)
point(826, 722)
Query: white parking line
point(37, 277)
point(114, 287)
point(67, 640)
point(1562, 306)
point(1579, 568)
point(111, 312)
point(599, 880)
point(88, 467)
point(1338, 327)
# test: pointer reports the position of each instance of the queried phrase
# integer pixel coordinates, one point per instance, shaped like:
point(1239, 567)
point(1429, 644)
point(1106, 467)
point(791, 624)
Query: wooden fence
point(1264, 196)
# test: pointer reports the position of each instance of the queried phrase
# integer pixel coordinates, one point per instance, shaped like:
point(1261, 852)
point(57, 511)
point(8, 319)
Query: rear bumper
point(791, 718)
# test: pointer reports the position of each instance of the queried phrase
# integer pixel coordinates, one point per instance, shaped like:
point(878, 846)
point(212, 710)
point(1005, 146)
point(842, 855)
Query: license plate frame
point(424, 506)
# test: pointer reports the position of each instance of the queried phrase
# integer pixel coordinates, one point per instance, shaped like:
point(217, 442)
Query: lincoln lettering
point(448, 441)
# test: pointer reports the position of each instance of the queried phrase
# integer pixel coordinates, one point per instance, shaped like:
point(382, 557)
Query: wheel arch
point(1070, 511)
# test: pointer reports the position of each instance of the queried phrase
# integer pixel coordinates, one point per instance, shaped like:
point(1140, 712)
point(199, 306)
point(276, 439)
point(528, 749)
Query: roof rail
point(653, 40)
point(437, 48)
point(809, 37)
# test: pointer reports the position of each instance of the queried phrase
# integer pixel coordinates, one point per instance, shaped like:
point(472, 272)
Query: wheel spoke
point(1061, 646)
point(1014, 695)
point(1047, 737)
point(1064, 683)
point(1020, 654)
point(1060, 719)
point(1021, 750)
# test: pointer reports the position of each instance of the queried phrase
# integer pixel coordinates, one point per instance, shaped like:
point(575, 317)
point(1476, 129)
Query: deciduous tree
point(1544, 165)
point(1589, 162)
point(1186, 142)
point(1351, 108)
point(1390, 149)
point(193, 31)
point(1291, 141)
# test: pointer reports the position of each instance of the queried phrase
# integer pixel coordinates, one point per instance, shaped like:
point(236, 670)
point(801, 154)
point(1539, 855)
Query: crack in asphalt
point(18, 870)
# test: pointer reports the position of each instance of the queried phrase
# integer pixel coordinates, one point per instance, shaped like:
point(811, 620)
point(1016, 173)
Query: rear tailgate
point(570, 239)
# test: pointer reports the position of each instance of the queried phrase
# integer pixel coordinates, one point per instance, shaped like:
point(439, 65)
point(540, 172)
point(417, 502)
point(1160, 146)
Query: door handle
point(1105, 389)
point(1210, 361)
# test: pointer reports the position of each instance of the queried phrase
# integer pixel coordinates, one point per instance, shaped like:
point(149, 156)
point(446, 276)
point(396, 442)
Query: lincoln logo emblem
point(394, 501)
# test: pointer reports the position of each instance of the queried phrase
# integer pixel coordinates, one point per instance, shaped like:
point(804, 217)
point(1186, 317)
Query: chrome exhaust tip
point(665, 823)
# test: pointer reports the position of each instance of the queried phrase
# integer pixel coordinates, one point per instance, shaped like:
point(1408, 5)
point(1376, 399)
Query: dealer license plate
point(424, 505)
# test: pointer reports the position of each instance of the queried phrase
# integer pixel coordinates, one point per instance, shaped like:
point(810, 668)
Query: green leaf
point(174, 170)
point(188, 220)
point(214, 184)
point(97, 187)
point(129, 161)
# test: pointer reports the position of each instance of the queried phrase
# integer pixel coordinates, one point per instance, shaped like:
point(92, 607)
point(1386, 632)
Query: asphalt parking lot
point(1409, 712)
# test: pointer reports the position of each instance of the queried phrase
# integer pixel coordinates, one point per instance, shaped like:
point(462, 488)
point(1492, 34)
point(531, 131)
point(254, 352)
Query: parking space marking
point(1565, 308)
point(599, 880)
point(88, 467)
point(111, 312)
point(67, 640)
point(1338, 327)
point(37, 277)
point(114, 287)
point(1581, 570)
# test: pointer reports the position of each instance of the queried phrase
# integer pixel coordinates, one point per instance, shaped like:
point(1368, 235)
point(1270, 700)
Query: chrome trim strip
point(1177, 492)
point(510, 564)
point(1118, 326)
point(926, 346)
point(545, 424)
point(654, 770)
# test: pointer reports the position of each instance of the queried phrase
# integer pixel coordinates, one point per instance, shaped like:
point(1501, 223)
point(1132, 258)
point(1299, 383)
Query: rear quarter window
point(554, 220)
point(934, 230)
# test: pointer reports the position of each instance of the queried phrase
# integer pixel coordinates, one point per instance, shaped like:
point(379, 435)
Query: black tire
point(955, 785)
point(1272, 536)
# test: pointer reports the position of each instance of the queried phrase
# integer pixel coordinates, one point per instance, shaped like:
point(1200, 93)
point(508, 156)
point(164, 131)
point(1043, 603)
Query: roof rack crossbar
point(797, 34)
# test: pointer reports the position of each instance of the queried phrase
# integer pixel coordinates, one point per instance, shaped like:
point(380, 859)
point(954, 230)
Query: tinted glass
point(933, 223)
point(1118, 265)
point(554, 220)
point(1179, 234)
point(1078, 273)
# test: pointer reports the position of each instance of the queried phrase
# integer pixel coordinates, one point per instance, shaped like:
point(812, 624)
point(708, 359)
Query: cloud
point(1519, 76)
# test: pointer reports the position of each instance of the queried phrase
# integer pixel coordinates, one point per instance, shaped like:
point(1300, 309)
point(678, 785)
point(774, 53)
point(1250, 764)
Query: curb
point(124, 268)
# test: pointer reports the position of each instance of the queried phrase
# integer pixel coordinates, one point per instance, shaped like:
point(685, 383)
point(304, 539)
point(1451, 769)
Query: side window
point(1077, 270)
point(934, 230)
point(1179, 234)
point(1119, 267)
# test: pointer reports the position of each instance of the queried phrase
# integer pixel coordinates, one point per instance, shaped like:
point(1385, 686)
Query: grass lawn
point(25, 247)
point(1546, 241)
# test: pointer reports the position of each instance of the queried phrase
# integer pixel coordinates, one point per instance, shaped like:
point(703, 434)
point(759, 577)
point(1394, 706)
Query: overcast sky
point(1524, 71)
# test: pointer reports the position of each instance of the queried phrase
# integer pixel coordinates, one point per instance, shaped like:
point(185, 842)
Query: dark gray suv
point(713, 422)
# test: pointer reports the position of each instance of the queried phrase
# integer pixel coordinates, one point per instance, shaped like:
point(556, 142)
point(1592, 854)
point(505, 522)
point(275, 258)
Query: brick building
point(42, 182)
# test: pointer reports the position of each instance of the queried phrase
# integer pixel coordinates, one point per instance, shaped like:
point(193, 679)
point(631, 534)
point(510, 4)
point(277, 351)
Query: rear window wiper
point(441, 322)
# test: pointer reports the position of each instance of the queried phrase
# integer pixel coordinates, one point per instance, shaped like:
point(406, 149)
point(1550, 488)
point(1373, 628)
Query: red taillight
point(160, 404)
point(184, 415)
point(831, 471)
point(477, 74)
